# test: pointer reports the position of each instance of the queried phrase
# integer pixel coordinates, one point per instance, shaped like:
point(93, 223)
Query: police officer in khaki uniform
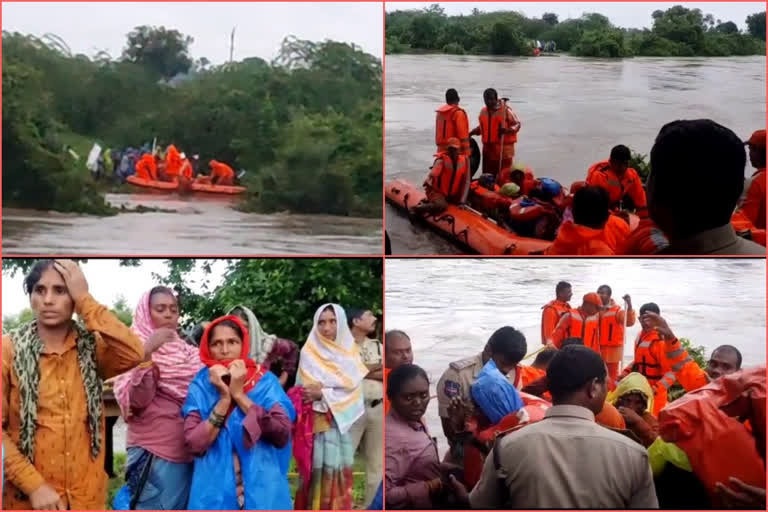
point(455, 382)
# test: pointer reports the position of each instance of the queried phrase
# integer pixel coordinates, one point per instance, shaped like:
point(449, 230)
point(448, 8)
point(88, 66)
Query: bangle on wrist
point(217, 420)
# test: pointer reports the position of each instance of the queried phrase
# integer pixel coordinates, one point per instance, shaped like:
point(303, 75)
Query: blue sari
point(264, 467)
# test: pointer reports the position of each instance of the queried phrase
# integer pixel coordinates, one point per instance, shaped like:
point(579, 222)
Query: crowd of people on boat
point(573, 430)
point(692, 203)
point(156, 164)
point(212, 424)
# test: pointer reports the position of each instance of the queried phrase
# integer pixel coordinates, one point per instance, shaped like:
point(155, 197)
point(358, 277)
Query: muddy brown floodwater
point(573, 110)
point(199, 226)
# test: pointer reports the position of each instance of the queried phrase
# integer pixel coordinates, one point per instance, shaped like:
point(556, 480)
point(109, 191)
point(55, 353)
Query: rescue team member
point(555, 309)
point(498, 129)
point(447, 182)
point(593, 229)
point(173, 163)
point(623, 184)
point(397, 351)
point(454, 385)
point(605, 469)
point(696, 180)
point(538, 369)
point(658, 355)
point(754, 204)
point(725, 359)
point(613, 320)
point(451, 121)
point(146, 168)
point(582, 322)
point(221, 173)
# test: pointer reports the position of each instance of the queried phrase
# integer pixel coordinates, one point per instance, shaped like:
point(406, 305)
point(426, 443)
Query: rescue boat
point(467, 227)
point(193, 187)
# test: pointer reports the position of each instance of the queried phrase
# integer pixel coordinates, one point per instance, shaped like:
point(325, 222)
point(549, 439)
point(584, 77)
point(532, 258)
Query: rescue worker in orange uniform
point(538, 369)
point(582, 322)
point(146, 168)
point(173, 162)
point(594, 230)
point(221, 173)
point(724, 360)
point(613, 321)
point(498, 129)
point(658, 355)
point(555, 309)
point(623, 184)
point(452, 121)
point(753, 206)
point(186, 168)
point(447, 182)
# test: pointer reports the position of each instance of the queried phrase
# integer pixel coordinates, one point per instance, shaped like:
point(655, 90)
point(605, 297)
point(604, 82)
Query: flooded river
point(573, 110)
point(450, 307)
point(199, 226)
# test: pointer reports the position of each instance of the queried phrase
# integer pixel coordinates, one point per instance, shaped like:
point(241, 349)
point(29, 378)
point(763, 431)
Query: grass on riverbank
point(358, 489)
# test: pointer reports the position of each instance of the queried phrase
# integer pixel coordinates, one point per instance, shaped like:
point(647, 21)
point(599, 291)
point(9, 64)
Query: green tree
point(756, 25)
point(162, 51)
point(11, 322)
point(728, 27)
point(505, 40)
point(550, 18)
point(123, 311)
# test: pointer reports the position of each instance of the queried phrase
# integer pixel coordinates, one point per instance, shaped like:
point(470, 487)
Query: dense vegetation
point(284, 293)
point(676, 32)
point(307, 127)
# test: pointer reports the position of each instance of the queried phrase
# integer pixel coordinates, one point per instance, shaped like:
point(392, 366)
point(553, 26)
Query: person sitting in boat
point(491, 199)
point(447, 182)
point(633, 398)
point(221, 173)
point(146, 167)
point(593, 229)
point(521, 176)
point(621, 182)
point(173, 163)
point(538, 213)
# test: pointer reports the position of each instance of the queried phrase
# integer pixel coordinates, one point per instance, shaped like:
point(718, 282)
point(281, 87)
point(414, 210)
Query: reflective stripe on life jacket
point(647, 363)
point(611, 329)
point(587, 330)
point(490, 122)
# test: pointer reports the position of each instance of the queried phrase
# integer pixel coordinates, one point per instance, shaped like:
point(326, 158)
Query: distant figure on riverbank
point(451, 121)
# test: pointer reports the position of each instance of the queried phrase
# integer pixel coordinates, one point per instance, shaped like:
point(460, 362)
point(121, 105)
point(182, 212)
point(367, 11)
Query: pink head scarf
point(177, 361)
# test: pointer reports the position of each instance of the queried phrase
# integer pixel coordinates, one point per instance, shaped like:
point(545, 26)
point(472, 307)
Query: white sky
point(107, 280)
point(89, 27)
point(622, 14)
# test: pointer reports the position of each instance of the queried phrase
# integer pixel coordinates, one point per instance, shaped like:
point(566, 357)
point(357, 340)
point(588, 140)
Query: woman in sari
point(237, 423)
point(267, 349)
point(330, 373)
point(159, 468)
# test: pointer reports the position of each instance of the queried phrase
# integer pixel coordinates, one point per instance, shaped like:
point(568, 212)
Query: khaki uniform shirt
point(457, 379)
point(567, 461)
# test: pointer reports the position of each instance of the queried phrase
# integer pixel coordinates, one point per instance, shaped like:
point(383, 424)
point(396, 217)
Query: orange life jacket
point(490, 122)
point(705, 425)
point(577, 240)
point(601, 174)
point(647, 360)
point(547, 326)
point(446, 127)
point(448, 181)
point(186, 169)
point(646, 239)
point(487, 200)
point(521, 210)
point(577, 327)
point(220, 170)
point(741, 222)
point(146, 167)
point(611, 329)
point(172, 161)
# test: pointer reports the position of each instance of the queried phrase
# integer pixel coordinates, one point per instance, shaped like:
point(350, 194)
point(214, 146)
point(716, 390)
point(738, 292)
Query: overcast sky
point(89, 27)
point(622, 14)
point(107, 281)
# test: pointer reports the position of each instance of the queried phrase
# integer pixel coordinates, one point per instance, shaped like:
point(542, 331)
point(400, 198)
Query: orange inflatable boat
point(467, 227)
point(193, 187)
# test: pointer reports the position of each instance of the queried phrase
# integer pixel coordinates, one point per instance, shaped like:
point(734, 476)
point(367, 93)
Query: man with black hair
point(620, 181)
point(604, 469)
point(697, 177)
point(554, 309)
point(457, 380)
point(593, 231)
point(613, 322)
point(452, 121)
point(498, 129)
point(367, 432)
point(539, 367)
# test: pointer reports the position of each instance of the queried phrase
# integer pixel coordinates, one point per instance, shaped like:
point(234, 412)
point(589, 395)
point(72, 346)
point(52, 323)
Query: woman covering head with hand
point(150, 399)
point(331, 373)
point(237, 423)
